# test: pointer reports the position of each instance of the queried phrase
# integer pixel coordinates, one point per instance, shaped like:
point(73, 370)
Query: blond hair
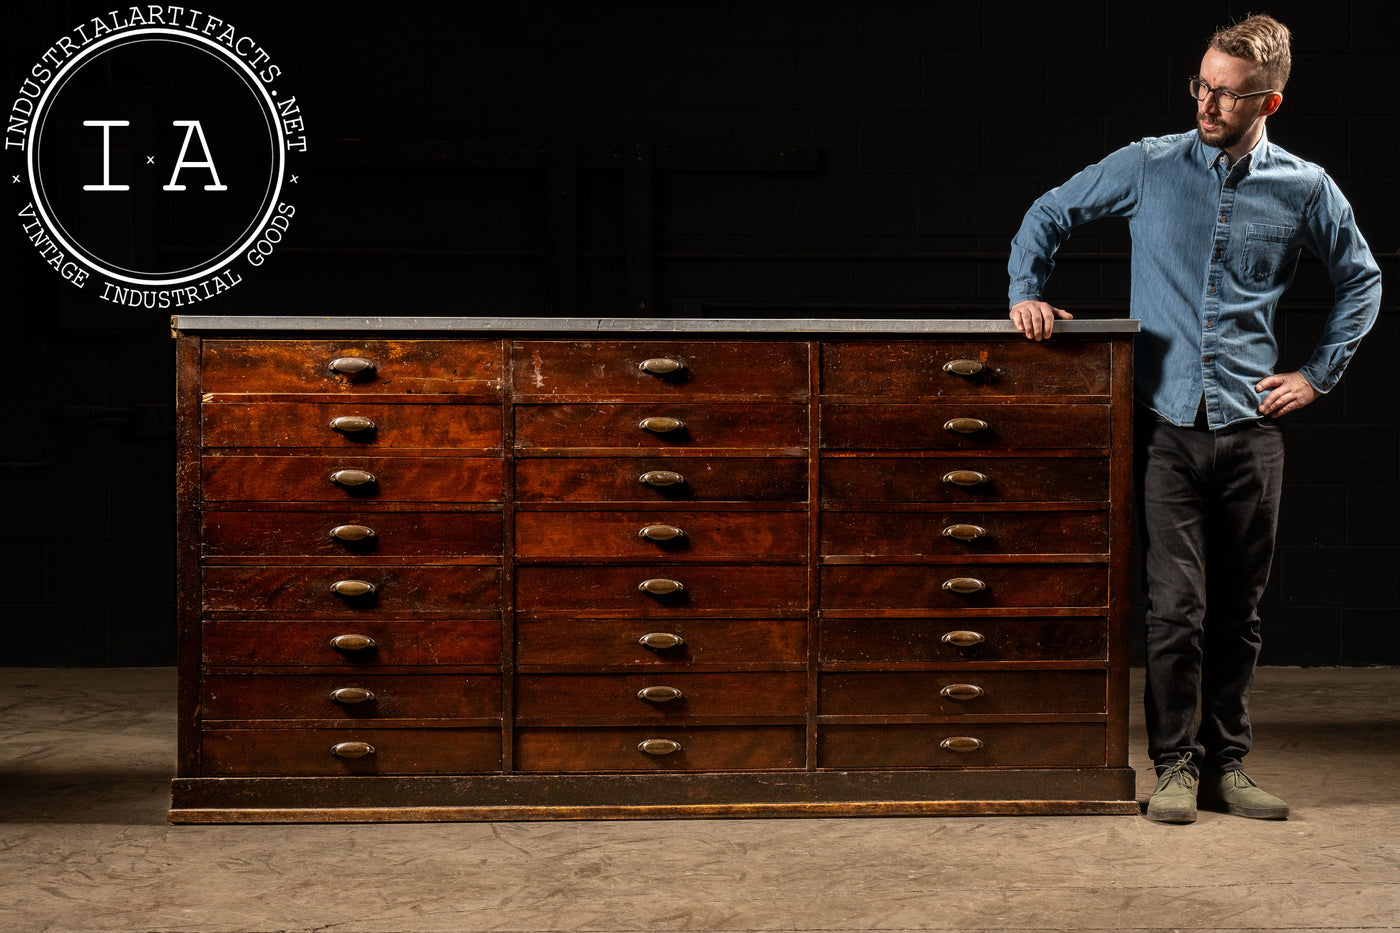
point(1263, 40)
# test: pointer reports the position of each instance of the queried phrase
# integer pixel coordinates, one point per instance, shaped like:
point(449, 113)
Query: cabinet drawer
point(396, 366)
point(582, 697)
point(960, 693)
point(922, 586)
point(674, 748)
point(458, 588)
point(367, 643)
point(706, 589)
point(907, 369)
point(965, 479)
point(381, 534)
point(618, 642)
point(320, 479)
point(605, 368)
point(953, 533)
point(351, 696)
point(660, 479)
point(997, 745)
point(702, 534)
point(350, 424)
point(661, 425)
point(311, 751)
point(892, 641)
point(941, 425)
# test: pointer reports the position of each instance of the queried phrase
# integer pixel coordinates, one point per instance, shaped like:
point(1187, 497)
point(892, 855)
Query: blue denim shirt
point(1214, 248)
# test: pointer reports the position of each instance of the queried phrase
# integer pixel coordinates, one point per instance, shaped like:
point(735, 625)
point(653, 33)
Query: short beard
point(1223, 142)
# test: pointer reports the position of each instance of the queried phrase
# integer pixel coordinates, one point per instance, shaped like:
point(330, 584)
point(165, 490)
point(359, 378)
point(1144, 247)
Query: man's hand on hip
point(1291, 391)
point(1036, 319)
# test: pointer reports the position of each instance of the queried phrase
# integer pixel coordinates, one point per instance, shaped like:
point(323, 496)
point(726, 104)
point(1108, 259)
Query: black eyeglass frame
point(1221, 94)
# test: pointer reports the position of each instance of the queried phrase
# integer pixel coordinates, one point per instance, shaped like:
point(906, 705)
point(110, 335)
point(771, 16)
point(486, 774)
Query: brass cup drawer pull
point(658, 424)
point(352, 750)
point(660, 641)
point(662, 366)
point(353, 534)
point(961, 692)
point(351, 696)
point(660, 586)
point(660, 694)
point(357, 368)
point(353, 589)
point(661, 533)
point(662, 478)
point(964, 478)
point(964, 585)
point(352, 642)
point(659, 747)
point(963, 638)
point(353, 424)
point(963, 367)
point(354, 479)
point(964, 532)
point(965, 425)
point(960, 743)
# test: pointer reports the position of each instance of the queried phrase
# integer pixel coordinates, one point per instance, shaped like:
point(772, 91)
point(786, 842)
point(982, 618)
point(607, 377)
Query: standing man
point(1218, 217)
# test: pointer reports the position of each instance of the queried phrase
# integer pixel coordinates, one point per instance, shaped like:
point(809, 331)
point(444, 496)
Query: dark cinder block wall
point(744, 158)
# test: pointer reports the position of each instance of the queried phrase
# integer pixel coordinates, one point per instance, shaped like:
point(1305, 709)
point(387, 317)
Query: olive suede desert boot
point(1235, 792)
point(1174, 800)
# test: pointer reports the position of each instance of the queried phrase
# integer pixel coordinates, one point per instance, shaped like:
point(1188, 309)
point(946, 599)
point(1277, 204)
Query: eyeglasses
point(1225, 100)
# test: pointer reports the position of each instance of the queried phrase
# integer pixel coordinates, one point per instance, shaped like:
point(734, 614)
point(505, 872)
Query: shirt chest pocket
point(1266, 249)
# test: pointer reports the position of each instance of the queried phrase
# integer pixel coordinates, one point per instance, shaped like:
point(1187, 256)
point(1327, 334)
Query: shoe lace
point(1179, 772)
point(1238, 778)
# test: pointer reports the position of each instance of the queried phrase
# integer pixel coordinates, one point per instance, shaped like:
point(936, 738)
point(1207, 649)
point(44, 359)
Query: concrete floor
point(86, 757)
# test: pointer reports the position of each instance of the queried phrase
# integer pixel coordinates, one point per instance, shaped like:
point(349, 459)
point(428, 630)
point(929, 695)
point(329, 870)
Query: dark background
point(723, 159)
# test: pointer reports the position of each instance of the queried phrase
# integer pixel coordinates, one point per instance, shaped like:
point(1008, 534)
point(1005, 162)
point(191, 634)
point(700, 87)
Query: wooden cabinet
point(471, 569)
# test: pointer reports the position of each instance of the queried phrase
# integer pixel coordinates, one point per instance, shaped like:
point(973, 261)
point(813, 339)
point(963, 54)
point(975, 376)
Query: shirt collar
point(1251, 159)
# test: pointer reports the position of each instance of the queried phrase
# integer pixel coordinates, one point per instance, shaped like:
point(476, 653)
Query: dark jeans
point(1208, 505)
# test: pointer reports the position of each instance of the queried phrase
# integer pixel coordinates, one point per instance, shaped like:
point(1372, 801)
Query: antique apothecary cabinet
point(463, 568)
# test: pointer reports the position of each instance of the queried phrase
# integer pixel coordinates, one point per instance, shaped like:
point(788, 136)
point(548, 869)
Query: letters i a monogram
point(192, 129)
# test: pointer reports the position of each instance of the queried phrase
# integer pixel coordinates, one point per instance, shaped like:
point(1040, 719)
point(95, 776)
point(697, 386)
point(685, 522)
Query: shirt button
point(1205, 359)
point(1212, 289)
point(1216, 255)
point(1210, 323)
point(1222, 218)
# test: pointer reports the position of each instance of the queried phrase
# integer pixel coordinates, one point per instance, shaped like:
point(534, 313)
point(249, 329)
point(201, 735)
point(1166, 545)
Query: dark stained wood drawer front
point(327, 752)
point(358, 696)
point(937, 745)
point(662, 425)
point(965, 479)
point(351, 424)
point(339, 534)
point(905, 369)
point(672, 748)
point(706, 589)
point(961, 533)
point(396, 366)
point(678, 643)
point(671, 696)
point(679, 368)
point(661, 479)
point(339, 590)
point(1006, 585)
point(902, 641)
point(959, 693)
point(352, 645)
point(668, 533)
point(337, 478)
point(957, 425)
